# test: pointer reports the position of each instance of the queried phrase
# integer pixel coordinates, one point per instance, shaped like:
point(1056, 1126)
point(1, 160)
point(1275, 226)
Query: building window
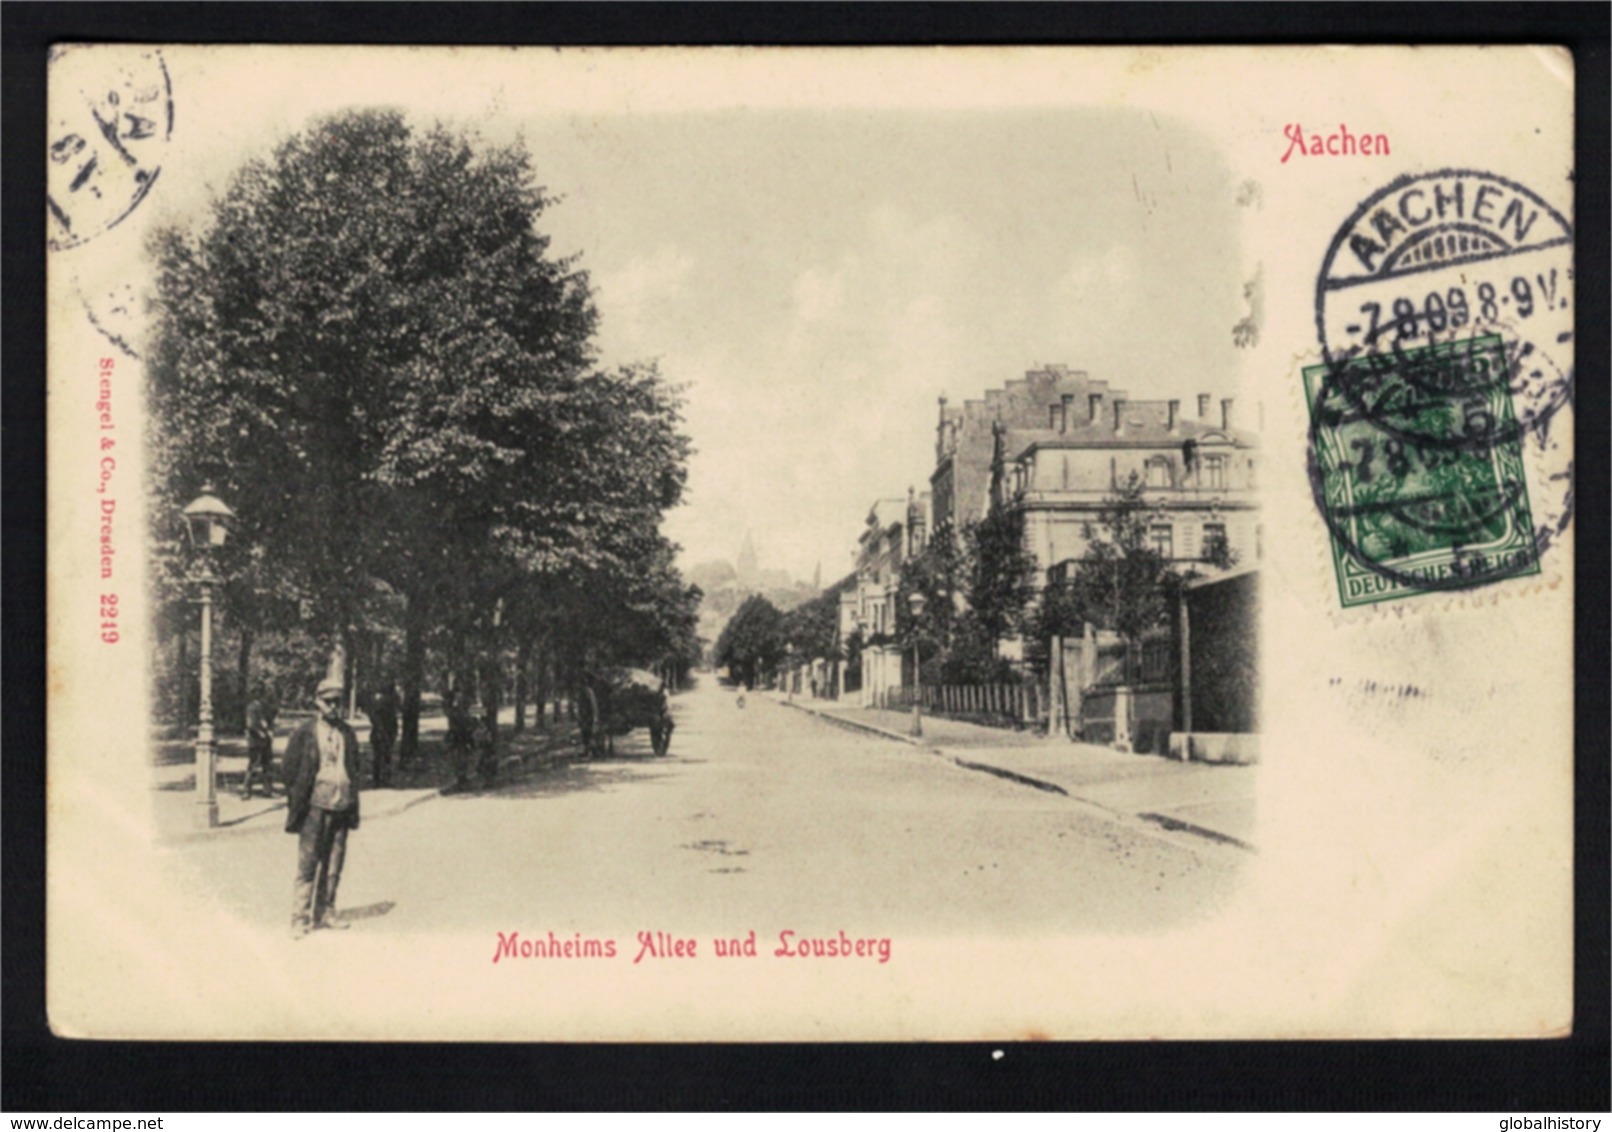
point(1162, 539)
point(1055, 417)
point(1214, 473)
point(1158, 471)
point(1214, 541)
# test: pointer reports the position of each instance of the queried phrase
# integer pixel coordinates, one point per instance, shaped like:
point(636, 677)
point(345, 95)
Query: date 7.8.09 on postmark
point(1416, 462)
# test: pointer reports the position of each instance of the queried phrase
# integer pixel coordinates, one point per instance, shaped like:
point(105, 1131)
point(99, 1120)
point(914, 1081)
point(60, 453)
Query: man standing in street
point(259, 745)
point(321, 777)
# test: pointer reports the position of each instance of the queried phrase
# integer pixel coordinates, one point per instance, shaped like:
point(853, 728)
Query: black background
point(43, 1075)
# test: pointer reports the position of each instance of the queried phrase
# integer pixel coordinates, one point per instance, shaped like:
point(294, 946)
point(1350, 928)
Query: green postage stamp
point(1416, 465)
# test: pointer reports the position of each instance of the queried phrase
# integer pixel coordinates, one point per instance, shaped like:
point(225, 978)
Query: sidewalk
point(180, 815)
point(1209, 800)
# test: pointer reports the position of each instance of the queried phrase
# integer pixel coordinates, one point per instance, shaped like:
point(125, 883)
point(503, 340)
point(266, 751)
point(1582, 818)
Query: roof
point(1228, 576)
point(1140, 432)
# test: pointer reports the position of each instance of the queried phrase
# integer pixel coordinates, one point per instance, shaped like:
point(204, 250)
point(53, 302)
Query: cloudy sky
point(817, 269)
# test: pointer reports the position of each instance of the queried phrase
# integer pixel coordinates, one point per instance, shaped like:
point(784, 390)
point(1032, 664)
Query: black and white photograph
point(804, 544)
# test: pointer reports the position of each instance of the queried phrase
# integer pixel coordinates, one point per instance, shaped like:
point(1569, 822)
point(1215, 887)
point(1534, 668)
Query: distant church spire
point(746, 567)
point(817, 577)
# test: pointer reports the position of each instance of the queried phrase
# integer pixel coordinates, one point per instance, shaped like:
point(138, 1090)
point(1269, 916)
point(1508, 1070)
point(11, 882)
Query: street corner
point(183, 816)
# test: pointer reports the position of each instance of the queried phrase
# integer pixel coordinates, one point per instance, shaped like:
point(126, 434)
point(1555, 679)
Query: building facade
point(893, 532)
point(1044, 398)
point(1199, 473)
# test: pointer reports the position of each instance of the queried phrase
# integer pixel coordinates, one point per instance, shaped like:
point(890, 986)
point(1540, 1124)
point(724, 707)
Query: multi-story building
point(965, 436)
point(1199, 473)
point(1057, 443)
point(893, 532)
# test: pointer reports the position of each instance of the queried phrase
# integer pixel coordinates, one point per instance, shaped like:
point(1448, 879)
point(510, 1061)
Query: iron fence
point(1010, 704)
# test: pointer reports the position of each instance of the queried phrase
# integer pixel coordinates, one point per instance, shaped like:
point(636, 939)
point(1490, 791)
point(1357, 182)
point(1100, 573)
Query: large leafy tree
point(941, 573)
point(812, 627)
point(588, 576)
point(1000, 571)
point(370, 349)
point(1121, 582)
point(368, 341)
point(752, 642)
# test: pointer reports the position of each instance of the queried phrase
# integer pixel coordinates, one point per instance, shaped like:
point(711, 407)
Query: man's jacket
point(301, 768)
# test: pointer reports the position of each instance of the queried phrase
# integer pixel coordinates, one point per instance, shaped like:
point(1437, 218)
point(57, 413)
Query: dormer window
point(1158, 472)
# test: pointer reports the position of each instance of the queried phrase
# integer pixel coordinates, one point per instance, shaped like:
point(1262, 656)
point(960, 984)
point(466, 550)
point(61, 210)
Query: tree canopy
point(752, 643)
point(1121, 582)
point(812, 627)
point(370, 350)
point(1000, 571)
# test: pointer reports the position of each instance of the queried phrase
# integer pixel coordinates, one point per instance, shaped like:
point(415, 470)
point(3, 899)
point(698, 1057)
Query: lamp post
point(207, 522)
point(789, 673)
point(915, 604)
point(862, 660)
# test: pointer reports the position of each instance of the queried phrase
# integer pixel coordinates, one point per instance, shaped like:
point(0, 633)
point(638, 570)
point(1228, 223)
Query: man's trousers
point(321, 850)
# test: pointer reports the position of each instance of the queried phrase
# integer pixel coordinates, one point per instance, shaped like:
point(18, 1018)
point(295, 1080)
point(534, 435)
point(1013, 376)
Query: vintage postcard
point(783, 544)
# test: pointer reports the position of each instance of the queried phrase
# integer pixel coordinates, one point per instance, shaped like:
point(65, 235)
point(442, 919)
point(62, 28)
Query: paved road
point(760, 816)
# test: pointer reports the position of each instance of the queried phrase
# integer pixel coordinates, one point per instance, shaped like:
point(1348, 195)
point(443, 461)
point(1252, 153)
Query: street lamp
point(861, 659)
point(207, 522)
point(915, 604)
point(789, 672)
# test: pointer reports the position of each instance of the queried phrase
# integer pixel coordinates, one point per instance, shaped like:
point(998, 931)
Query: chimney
point(1203, 406)
point(1175, 415)
point(1094, 405)
point(1225, 412)
point(1119, 416)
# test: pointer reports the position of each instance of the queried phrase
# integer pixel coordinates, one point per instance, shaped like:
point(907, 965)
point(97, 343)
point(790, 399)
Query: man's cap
point(328, 684)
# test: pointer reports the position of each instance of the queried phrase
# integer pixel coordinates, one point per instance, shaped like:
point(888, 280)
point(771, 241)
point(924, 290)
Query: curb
point(1141, 822)
point(858, 725)
point(1013, 776)
point(250, 825)
point(1177, 825)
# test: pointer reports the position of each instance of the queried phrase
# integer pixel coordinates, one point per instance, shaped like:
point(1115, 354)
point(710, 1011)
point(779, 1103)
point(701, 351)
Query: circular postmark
point(113, 310)
point(1448, 256)
point(1444, 314)
point(111, 114)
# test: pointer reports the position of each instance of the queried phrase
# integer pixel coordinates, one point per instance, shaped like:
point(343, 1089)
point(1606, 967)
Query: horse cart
point(617, 703)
